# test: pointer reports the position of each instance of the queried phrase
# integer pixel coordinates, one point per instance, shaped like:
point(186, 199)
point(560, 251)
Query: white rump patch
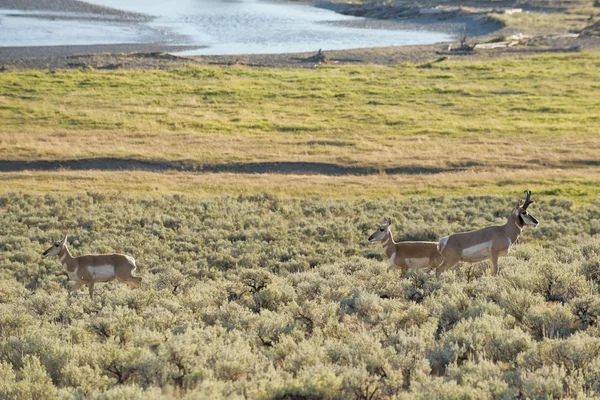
point(478, 252)
point(417, 262)
point(442, 243)
point(131, 260)
point(102, 273)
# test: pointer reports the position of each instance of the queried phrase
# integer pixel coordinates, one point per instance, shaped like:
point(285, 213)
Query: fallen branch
point(496, 45)
point(463, 49)
point(546, 50)
point(456, 52)
point(355, 60)
point(317, 58)
point(236, 62)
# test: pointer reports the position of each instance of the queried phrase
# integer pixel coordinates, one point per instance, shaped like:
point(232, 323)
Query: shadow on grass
point(121, 164)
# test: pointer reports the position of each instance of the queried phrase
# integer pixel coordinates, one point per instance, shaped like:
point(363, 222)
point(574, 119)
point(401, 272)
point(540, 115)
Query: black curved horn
point(528, 200)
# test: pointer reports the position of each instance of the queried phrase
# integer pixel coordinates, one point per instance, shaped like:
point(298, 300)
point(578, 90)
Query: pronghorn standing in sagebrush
point(406, 255)
point(487, 243)
point(92, 268)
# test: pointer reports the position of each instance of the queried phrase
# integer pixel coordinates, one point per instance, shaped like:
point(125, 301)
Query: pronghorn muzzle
point(528, 220)
point(534, 220)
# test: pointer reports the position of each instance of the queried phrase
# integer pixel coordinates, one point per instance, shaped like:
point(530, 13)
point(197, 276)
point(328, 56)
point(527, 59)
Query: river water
point(220, 26)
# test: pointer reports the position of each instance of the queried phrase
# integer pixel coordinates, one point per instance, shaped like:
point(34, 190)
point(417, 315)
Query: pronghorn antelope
point(487, 243)
point(87, 270)
point(406, 255)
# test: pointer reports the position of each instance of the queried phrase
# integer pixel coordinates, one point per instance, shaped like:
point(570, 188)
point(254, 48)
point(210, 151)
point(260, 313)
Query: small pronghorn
point(406, 255)
point(487, 243)
point(87, 270)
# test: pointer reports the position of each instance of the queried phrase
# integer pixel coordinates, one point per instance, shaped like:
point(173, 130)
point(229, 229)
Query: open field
point(261, 297)
point(246, 196)
point(581, 186)
point(455, 128)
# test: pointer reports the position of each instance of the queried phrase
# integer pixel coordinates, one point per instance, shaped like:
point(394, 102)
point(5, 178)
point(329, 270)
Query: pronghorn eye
point(56, 244)
point(381, 229)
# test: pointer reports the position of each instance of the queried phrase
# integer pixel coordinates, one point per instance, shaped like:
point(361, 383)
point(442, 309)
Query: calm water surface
point(223, 26)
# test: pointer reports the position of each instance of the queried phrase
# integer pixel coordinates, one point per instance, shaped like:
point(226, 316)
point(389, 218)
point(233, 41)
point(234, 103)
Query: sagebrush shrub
point(260, 297)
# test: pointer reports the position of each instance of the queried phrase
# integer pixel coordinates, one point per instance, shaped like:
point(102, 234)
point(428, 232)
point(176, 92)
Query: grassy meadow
point(482, 127)
point(261, 284)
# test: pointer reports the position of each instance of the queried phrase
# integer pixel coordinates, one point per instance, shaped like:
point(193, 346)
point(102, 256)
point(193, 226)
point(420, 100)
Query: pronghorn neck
point(513, 228)
point(66, 259)
point(389, 246)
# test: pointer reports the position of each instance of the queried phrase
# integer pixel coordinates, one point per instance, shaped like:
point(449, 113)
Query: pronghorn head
point(521, 214)
point(56, 247)
point(382, 231)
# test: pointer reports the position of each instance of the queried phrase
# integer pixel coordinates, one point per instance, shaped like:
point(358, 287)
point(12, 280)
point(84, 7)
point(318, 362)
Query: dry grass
point(581, 185)
point(351, 149)
point(530, 121)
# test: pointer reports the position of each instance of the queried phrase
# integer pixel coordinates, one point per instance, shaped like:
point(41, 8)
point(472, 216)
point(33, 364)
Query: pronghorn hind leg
point(91, 288)
point(494, 261)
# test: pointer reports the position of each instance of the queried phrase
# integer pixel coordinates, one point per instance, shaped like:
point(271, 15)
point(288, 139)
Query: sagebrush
point(262, 297)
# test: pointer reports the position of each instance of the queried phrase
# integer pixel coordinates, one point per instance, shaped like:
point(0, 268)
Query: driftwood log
point(318, 58)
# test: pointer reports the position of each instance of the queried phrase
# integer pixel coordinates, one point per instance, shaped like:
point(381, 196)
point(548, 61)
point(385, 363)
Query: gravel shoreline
point(62, 56)
point(142, 56)
point(55, 57)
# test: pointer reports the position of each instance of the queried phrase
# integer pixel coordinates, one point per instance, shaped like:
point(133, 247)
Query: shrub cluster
point(261, 297)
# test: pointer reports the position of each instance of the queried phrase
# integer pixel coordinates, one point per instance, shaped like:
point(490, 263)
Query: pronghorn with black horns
point(487, 243)
point(406, 255)
point(92, 268)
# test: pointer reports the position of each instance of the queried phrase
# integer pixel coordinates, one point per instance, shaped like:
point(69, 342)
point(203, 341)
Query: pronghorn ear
point(517, 207)
point(389, 222)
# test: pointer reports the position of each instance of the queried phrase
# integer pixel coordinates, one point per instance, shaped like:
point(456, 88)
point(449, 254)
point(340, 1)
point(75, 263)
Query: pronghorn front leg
point(494, 261)
point(442, 268)
point(75, 286)
point(450, 260)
